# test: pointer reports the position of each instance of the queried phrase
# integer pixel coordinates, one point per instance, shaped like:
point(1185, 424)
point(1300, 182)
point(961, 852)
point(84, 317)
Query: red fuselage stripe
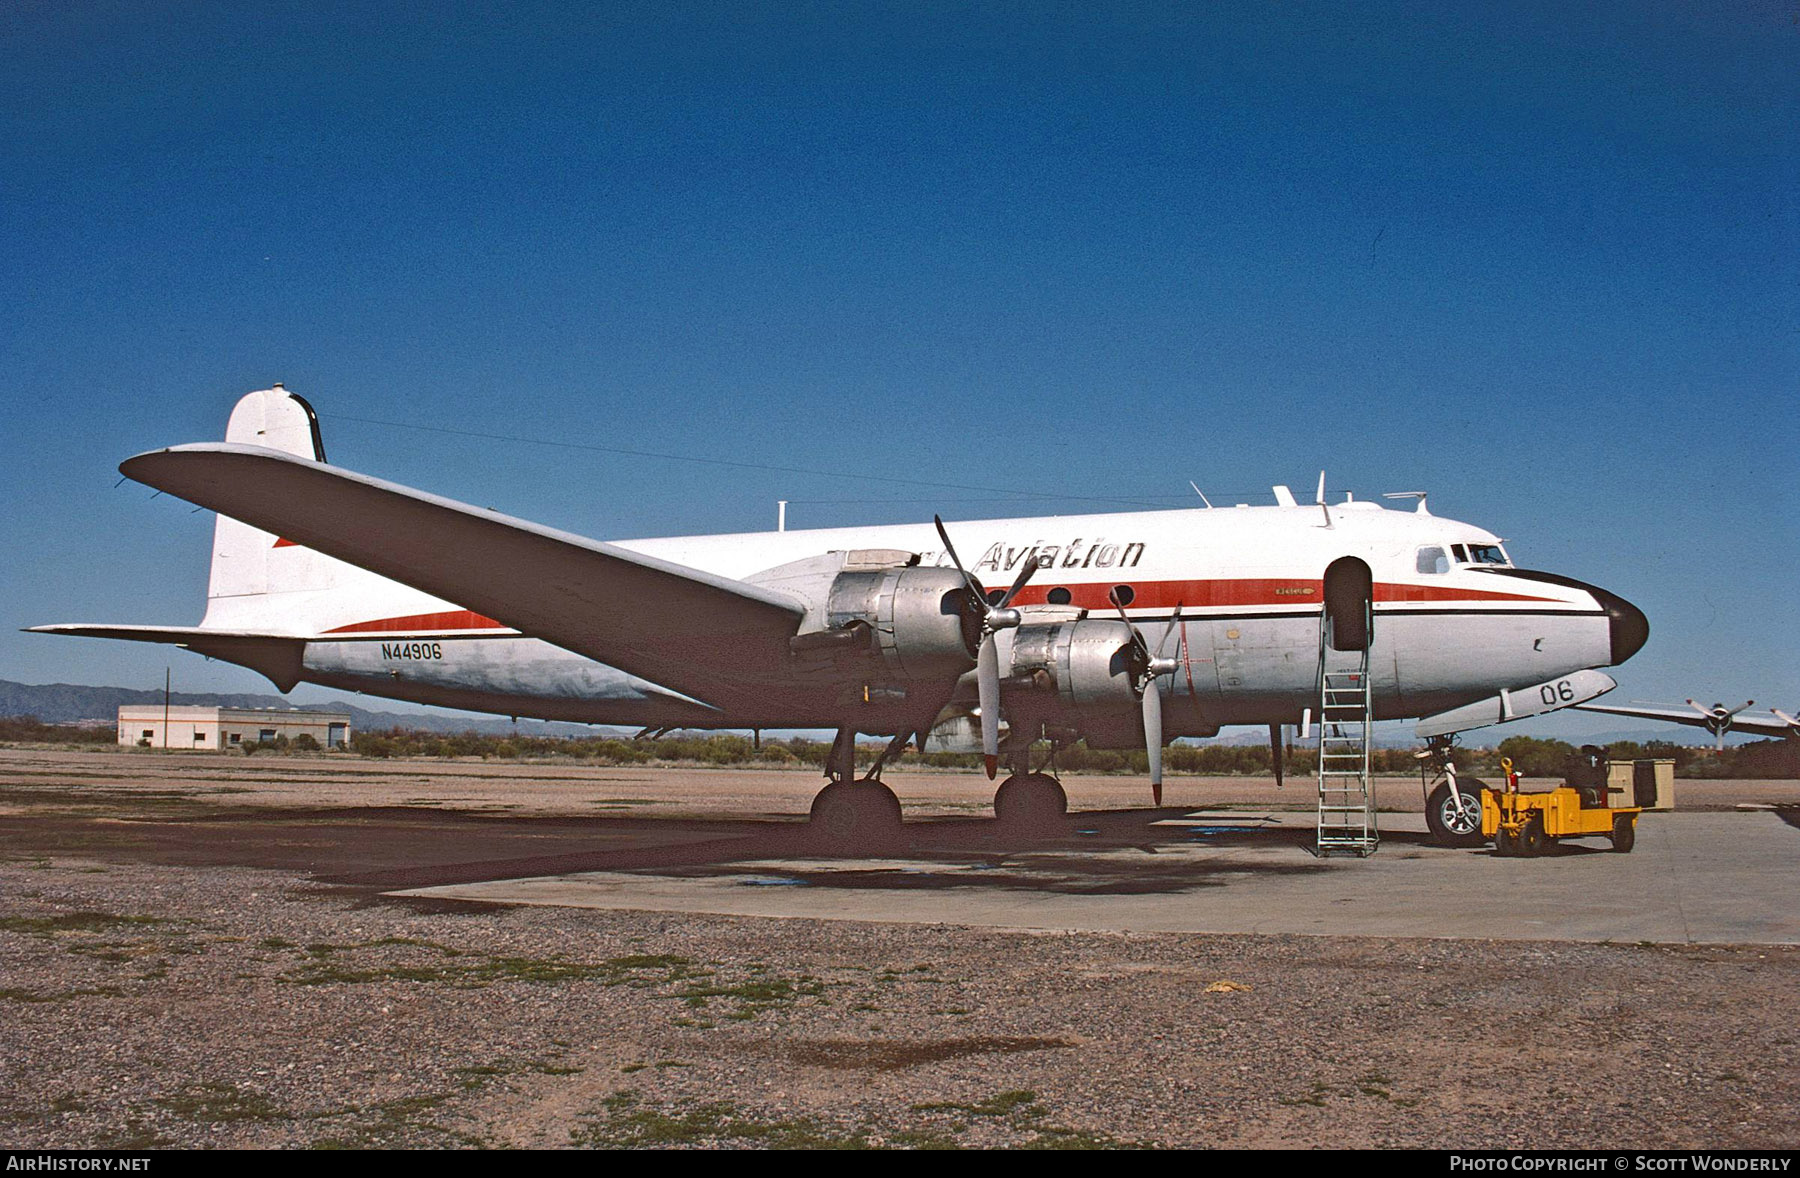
point(1240, 593)
point(456, 619)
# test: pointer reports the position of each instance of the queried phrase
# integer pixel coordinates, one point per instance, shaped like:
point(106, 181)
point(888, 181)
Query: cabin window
point(1058, 596)
point(1433, 560)
point(1124, 594)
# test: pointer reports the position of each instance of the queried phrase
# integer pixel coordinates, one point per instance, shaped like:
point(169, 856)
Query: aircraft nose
point(1630, 628)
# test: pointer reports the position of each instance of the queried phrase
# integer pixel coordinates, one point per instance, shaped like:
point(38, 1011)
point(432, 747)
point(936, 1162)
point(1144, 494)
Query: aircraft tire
point(1447, 827)
point(856, 815)
point(1032, 801)
point(1624, 833)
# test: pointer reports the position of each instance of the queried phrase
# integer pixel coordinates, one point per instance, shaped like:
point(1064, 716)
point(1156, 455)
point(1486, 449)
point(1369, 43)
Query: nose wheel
point(1455, 818)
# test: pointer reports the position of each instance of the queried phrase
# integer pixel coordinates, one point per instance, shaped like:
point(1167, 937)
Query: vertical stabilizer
point(249, 564)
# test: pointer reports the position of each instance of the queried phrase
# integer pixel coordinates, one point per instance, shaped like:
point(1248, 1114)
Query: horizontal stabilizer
point(277, 656)
point(177, 635)
point(1563, 692)
point(708, 636)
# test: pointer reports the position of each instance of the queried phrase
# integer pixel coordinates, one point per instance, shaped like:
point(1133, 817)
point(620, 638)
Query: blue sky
point(1538, 259)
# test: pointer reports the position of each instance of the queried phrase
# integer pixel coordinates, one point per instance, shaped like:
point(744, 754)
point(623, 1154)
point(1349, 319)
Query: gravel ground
point(178, 967)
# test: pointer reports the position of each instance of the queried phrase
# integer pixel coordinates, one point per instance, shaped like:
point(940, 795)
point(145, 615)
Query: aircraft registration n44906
point(1120, 629)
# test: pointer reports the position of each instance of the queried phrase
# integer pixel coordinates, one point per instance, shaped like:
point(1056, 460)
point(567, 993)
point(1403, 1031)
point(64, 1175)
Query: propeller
point(995, 616)
point(1793, 722)
point(1718, 719)
point(1144, 668)
point(1275, 752)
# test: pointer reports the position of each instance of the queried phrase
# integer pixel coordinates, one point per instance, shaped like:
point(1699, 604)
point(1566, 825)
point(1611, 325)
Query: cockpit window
point(1433, 560)
point(1486, 554)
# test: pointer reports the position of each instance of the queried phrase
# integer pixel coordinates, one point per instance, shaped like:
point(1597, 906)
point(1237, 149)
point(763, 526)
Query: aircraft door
point(1349, 588)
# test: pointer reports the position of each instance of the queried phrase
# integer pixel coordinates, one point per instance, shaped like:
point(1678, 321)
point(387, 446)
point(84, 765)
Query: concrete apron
point(1722, 878)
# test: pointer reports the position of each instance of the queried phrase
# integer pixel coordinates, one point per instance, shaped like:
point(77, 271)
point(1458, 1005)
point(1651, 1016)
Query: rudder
point(249, 564)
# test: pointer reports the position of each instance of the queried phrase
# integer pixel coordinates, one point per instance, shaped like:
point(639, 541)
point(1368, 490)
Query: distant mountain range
point(72, 703)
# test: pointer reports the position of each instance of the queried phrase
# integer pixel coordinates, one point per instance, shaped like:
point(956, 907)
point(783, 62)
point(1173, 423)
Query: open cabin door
point(1349, 589)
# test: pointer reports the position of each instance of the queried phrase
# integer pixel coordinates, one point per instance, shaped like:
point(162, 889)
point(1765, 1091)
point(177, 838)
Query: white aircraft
point(1717, 719)
point(325, 576)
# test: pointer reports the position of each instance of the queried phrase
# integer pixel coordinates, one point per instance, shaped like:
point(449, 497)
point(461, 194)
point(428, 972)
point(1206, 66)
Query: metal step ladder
point(1346, 725)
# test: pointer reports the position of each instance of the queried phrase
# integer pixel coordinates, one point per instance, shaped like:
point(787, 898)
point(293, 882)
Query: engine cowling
point(921, 622)
point(1086, 663)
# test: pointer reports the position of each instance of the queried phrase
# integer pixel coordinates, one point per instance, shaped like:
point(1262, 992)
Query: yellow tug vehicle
point(1523, 823)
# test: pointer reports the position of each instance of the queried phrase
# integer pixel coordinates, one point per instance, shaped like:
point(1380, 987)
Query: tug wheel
point(1532, 839)
point(1506, 842)
point(1624, 832)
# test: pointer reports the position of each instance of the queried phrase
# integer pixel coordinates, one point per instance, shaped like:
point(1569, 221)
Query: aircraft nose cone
point(1630, 628)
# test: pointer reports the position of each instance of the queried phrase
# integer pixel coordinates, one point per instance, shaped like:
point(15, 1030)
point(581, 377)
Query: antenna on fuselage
point(1419, 495)
point(1320, 499)
point(1201, 493)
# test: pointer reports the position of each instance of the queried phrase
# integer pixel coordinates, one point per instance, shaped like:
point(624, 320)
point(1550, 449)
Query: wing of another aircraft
point(1754, 723)
point(710, 637)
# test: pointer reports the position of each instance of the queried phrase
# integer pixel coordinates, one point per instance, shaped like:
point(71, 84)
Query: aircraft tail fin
point(254, 570)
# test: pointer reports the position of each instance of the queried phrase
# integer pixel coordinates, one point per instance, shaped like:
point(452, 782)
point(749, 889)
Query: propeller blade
point(1701, 710)
point(1139, 648)
point(1025, 574)
point(1153, 739)
point(1275, 749)
point(1735, 711)
point(987, 684)
point(971, 582)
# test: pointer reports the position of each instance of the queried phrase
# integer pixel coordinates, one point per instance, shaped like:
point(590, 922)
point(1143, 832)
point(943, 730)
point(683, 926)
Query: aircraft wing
point(710, 637)
point(1754, 723)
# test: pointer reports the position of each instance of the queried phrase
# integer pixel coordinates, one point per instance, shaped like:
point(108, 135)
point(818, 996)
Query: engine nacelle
point(922, 621)
point(1088, 664)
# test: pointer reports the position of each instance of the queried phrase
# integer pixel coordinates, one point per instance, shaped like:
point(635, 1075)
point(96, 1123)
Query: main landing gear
point(853, 813)
point(1027, 801)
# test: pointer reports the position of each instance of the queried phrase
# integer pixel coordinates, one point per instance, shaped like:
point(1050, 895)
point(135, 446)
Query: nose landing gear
point(1453, 808)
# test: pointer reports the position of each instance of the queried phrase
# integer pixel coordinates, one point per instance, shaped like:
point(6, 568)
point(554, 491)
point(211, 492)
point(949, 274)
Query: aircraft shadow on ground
point(1118, 852)
point(370, 850)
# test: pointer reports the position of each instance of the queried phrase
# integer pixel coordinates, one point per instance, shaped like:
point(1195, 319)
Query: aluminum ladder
point(1346, 725)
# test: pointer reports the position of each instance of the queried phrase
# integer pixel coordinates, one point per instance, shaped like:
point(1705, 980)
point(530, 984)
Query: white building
point(218, 729)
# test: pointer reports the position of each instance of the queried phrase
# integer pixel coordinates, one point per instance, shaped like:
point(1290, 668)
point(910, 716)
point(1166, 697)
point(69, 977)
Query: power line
point(1007, 492)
